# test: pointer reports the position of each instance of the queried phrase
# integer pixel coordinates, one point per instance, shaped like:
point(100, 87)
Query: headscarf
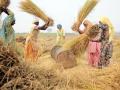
point(59, 26)
point(105, 20)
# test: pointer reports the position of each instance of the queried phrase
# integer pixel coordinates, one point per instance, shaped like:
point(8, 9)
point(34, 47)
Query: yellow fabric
point(60, 37)
point(105, 20)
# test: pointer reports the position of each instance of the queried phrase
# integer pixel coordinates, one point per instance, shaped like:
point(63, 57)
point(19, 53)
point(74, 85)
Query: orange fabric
point(31, 47)
point(31, 51)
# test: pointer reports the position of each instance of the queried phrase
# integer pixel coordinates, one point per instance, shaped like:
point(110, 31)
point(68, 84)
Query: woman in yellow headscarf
point(106, 20)
point(107, 38)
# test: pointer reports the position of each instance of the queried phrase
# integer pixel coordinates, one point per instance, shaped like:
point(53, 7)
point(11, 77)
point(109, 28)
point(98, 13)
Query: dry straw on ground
point(47, 75)
point(13, 73)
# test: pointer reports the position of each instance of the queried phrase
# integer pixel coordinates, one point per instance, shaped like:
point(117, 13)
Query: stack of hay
point(8, 61)
point(13, 74)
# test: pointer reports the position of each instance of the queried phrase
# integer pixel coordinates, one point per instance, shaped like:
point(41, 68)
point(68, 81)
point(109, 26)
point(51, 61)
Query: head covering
point(103, 26)
point(106, 20)
point(59, 26)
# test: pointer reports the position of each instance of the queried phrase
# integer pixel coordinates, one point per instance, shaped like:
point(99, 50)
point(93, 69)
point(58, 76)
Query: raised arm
point(44, 27)
point(81, 31)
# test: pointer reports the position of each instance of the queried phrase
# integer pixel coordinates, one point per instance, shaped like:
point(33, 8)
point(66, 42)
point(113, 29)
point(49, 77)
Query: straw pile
point(8, 59)
point(4, 3)
point(13, 74)
point(29, 7)
point(79, 44)
point(86, 9)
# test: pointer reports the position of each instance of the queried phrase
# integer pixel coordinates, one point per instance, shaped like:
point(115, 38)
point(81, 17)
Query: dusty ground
point(81, 77)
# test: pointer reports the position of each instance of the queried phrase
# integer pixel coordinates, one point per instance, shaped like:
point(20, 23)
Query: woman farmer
point(94, 47)
point(31, 44)
point(60, 35)
point(7, 32)
point(106, 47)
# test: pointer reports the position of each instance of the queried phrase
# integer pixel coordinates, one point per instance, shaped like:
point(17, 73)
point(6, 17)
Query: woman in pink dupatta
point(94, 46)
point(94, 49)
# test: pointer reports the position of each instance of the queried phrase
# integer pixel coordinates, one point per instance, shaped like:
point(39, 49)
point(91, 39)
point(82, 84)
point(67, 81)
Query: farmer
point(31, 44)
point(94, 47)
point(106, 47)
point(7, 32)
point(60, 35)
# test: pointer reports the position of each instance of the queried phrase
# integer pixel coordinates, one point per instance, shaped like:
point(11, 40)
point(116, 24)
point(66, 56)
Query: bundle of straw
point(79, 44)
point(83, 13)
point(4, 3)
point(29, 7)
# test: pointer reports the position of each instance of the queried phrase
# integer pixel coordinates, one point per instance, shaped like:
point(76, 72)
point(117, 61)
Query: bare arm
point(44, 27)
point(81, 31)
